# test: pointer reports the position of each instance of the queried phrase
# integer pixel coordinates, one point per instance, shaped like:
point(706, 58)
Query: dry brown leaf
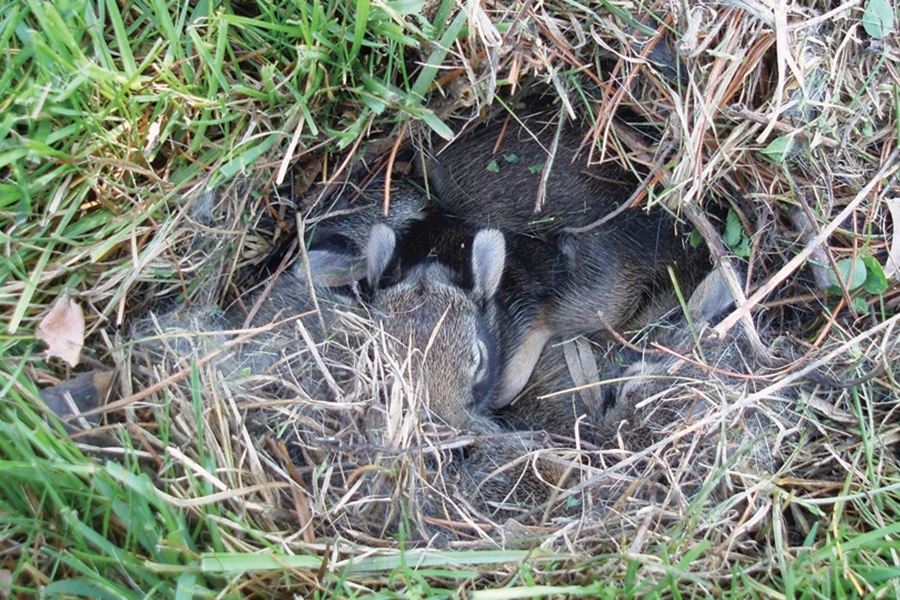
point(82, 393)
point(892, 265)
point(63, 330)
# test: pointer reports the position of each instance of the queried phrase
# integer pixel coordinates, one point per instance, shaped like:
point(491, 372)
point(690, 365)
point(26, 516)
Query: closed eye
point(485, 376)
point(482, 361)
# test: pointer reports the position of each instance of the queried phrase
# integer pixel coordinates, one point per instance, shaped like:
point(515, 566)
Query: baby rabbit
point(614, 276)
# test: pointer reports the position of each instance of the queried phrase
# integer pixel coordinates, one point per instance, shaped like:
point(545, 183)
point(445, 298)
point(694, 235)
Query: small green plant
point(860, 272)
point(734, 236)
point(779, 150)
point(878, 18)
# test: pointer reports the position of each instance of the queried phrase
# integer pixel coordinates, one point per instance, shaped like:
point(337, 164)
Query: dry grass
point(737, 475)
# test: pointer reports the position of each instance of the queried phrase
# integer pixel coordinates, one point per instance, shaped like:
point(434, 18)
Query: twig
point(390, 168)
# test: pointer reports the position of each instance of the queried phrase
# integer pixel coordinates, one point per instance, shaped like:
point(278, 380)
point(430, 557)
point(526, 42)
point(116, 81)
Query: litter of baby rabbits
point(635, 319)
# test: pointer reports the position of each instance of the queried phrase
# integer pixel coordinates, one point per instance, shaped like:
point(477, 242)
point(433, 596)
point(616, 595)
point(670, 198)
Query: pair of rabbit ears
point(488, 258)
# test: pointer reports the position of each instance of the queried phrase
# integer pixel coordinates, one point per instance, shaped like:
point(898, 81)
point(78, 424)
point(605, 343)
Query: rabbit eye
point(484, 367)
point(481, 360)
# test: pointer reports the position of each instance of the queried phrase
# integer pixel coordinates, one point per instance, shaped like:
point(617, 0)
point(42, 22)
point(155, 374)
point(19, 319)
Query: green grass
point(84, 527)
point(109, 113)
point(107, 116)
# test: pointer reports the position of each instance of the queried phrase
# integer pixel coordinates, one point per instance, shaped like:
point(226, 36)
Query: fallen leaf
point(583, 369)
point(892, 266)
point(63, 330)
point(82, 393)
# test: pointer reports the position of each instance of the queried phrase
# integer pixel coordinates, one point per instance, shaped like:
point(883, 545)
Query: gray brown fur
point(556, 285)
point(606, 381)
point(644, 398)
point(339, 255)
point(458, 310)
point(301, 358)
point(447, 325)
point(615, 276)
point(499, 185)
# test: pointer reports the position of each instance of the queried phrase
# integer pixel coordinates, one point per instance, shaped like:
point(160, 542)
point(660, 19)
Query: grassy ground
point(112, 114)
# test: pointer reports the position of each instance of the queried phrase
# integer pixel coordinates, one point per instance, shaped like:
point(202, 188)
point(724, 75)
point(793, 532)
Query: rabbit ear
point(380, 248)
point(488, 260)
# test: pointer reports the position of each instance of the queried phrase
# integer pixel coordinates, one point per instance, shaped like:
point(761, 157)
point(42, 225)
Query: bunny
point(616, 275)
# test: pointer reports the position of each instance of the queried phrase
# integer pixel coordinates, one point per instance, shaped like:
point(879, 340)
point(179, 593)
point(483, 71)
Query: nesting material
point(770, 131)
